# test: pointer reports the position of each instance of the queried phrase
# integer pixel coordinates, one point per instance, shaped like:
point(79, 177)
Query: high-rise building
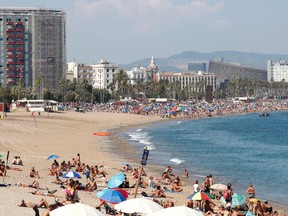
point(277, 71)
point(32, 47)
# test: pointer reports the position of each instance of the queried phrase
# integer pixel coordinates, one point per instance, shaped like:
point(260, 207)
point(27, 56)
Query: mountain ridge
point(179, 62)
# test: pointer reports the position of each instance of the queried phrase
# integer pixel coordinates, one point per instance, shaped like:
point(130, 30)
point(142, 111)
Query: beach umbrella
point(178, 210)
point(71, 174)
point(1, 156)
point(138, 205)
point(238, 199)
point(116, 180)
point(77, 209)
point(219, 187)
point(199, 196)
point(123, 192)
point(111, 196)
point(53, 156)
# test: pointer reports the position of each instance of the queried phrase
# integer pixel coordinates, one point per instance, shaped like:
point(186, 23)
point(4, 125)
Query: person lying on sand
point(42, 204)
point(35, 184)
point(48, 193)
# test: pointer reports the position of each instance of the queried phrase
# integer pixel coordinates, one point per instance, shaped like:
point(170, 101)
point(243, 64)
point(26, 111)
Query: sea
point(239, 149)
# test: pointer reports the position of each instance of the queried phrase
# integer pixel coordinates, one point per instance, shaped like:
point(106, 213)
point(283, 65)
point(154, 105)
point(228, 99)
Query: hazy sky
point(122, 31)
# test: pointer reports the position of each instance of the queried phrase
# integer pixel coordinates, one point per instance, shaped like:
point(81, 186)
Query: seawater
point(240, 149)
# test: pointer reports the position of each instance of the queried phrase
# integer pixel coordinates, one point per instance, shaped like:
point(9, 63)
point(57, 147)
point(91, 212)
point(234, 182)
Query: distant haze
point(179, 62)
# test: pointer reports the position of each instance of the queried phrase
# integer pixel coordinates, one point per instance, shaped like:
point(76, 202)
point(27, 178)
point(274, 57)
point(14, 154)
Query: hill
point(178, 62)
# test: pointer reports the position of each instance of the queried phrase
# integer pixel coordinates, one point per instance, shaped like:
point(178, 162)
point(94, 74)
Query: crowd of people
point(189, 109)
point(159, 188)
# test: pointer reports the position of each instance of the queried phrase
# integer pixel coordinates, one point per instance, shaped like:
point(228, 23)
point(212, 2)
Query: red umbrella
point(123, 192)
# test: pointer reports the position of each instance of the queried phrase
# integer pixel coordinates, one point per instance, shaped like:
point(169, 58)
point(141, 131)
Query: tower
point(33, 46)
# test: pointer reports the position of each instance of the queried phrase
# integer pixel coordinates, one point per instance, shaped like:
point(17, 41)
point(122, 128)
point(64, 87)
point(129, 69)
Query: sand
point(66, 134)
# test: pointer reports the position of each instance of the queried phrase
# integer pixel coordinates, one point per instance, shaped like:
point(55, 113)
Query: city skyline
point(123, 31)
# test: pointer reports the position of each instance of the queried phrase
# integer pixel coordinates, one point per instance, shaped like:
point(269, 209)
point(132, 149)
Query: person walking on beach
point(251, 191)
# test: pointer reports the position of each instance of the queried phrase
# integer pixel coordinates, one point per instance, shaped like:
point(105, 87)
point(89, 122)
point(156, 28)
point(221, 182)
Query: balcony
point(10, 56)
point(10, 35)
point(10, 69)
point(10, 30)
point(19, 42)
point(19, 29)
point(10, 23)
point(10, 75)
point(19, 63)
point(19, 49)
point(10, 62)
point(19, 69)
point(10, 42)
point(20, 56)
point(10, 49)
point(19, 23)
point(11, 83)
point(19, 36)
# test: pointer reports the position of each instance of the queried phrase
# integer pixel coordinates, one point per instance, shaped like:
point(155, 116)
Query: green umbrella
point(1, 156)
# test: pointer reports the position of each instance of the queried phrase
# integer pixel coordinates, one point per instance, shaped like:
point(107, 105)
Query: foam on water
point(177, 160)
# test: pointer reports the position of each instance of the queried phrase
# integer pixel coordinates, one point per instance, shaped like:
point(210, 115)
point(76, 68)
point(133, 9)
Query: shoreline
point(66, 134)
point(156, 169)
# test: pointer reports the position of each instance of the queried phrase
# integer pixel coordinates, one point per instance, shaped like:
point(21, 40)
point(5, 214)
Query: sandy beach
point(67, 134)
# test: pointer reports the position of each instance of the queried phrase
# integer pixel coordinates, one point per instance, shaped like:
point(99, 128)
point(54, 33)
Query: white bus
point(36, 105)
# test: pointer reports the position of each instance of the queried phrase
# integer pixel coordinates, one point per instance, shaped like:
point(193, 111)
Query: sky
point(123, 31)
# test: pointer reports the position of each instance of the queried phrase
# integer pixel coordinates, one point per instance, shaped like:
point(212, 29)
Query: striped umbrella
point(199, 196)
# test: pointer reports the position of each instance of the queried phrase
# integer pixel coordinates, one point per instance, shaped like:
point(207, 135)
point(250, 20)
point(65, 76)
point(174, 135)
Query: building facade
point(197, 66)
point(230, 71)
point(32, 46)
point(193, 81)
point(103, 74)
point(142, 74)
point(277, 71)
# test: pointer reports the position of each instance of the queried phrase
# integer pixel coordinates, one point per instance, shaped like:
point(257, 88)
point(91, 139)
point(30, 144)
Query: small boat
point(264, 114)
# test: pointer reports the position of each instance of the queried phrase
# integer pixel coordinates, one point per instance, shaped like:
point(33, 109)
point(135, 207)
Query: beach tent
point(177, 210)
point(78, 209)
point(138, 205)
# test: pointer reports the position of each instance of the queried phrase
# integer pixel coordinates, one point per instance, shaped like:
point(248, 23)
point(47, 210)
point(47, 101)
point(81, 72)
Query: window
point(107, 70)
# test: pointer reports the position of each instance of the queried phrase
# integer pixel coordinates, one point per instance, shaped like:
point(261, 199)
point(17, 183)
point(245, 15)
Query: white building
point(190, 80)
point(103, 74)
point(277, 71)
point(72, 70)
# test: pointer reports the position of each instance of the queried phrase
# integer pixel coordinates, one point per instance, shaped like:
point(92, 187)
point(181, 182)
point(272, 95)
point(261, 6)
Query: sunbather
point(33, 173)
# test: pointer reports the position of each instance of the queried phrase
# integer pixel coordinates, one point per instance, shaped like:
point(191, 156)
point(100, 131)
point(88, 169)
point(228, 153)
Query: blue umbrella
point(53, 156)
point(71, 174)
point(111, 196)
point(116, 180)
point(237, 200)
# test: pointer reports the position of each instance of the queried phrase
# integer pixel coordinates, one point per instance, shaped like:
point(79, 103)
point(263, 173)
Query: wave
point(151, 147)
point(137, 136)
point(145, 142)
point(176, 160)
point(138, 130)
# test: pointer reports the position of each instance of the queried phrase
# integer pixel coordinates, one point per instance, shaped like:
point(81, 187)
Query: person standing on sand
point(78, 159)
point(251, 191)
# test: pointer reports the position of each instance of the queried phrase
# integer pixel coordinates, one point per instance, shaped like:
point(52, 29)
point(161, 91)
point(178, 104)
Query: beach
point(35, 137)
